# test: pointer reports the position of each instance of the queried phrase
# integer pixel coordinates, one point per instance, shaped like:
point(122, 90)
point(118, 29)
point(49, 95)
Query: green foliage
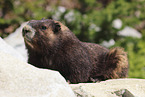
point(90, 20)
point(136, 55)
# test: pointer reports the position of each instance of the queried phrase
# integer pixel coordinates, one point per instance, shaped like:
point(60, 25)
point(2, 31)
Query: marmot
point(51, 45)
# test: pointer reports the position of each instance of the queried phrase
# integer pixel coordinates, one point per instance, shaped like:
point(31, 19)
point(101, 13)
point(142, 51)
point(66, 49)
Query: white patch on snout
point(32, 31)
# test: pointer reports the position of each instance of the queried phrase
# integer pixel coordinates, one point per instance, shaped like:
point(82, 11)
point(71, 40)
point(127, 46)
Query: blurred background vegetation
point(90, 20)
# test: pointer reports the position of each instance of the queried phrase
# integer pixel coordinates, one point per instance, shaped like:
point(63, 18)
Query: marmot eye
point(43, 28)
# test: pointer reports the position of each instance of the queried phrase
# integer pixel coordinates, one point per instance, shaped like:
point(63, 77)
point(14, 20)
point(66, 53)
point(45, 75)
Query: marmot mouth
point(27, 38)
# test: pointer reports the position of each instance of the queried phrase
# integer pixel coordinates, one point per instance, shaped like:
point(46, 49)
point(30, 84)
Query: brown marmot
point(53, 46)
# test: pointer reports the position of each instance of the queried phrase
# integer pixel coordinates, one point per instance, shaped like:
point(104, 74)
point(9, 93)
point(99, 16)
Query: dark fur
point(56, 47)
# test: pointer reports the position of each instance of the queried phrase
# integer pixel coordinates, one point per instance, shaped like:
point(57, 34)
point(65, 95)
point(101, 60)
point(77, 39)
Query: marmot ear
point(56, 27)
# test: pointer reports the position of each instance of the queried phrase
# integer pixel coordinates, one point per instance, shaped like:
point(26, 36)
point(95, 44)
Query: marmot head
point(45, 34)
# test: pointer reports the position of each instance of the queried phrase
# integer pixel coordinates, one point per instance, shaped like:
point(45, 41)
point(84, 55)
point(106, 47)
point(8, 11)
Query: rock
point(19, 79)
point(109, 43)
point(111, 88)
point(117, 23)
point(17, 42)
point(70, 16)
point(59, 12)
point(94, 27)
point(131, 32)
point(10, 50)
point(124, 93)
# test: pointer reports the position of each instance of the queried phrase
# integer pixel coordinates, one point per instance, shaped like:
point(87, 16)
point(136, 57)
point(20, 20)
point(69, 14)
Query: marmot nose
point(25, 30)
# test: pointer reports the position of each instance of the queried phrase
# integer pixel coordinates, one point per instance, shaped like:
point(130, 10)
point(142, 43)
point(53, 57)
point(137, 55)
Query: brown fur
point(53, 46)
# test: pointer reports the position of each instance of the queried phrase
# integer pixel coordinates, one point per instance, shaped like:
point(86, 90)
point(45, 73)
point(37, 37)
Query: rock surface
point(19, 79)
point(117, 23)
point(111, 88)
point(10, 50)
point(130, 32)
point(17, 42)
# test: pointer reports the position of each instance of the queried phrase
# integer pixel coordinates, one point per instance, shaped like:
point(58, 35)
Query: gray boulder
point(17, 42)
point(19, 79)
point(111, 88)
point(4, 47)
point(129, 32)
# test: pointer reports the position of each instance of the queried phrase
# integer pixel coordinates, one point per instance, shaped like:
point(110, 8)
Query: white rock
point(10, 50)
point(94, 27)
point(61, 9)
point(19, 79)
point(17, 42)
point(57, 15)
point(111, 88)
point(59, 12)
point(109, 43)
point(117, 23)
point(70, 16)
point(128, 31)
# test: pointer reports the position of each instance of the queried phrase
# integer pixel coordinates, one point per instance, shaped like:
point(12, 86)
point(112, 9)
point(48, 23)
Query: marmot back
point(53, 46)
